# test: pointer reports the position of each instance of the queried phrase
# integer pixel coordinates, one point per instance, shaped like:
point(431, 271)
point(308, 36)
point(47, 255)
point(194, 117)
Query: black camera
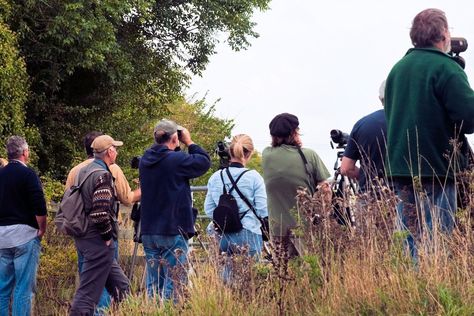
point(222, 150)
point(135, 162)
point(458, 45)
point(340, 138)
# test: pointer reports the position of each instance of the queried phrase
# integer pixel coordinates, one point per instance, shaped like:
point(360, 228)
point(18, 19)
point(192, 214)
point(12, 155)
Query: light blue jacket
point(252, 187)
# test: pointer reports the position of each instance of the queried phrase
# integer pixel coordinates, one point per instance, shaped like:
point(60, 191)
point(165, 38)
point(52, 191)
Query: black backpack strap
point(224, 191)
point(234, 182)
point(307, 169)
point(234, 186)
point(242, 196)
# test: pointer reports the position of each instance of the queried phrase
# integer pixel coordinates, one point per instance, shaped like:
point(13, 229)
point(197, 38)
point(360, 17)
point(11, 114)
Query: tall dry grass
point(363, 270)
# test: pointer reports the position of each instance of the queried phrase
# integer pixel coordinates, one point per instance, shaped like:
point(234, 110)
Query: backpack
point(226, 215)
point(264, 225)
point(71, 218)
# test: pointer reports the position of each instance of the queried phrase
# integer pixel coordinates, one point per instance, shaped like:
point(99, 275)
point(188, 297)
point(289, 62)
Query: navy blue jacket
point(21, 195)
point(367, 144)
point(166, 205)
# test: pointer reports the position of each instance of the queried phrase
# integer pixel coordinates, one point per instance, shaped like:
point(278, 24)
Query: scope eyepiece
point(339, 137)
point(458, 45)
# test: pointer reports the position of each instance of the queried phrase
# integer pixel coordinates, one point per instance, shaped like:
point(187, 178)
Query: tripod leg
point(135, 250)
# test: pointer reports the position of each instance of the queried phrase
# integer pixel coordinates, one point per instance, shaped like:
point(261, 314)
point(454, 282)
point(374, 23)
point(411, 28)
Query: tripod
point(342, 188)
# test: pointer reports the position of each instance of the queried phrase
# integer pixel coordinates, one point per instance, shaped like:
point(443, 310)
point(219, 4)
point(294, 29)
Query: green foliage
point(308, 266)
point(114, 65)
point(13, 84)
point(452, 303)
point(53, 189)
point(56, 273)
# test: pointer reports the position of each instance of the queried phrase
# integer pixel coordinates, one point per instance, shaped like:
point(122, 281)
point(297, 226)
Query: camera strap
point(307, 169)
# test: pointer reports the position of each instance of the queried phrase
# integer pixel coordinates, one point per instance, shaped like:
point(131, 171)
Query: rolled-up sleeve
point(210, 202)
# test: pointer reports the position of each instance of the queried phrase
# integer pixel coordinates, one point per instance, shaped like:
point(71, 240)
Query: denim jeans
point(163, 255)
point(416, 212)
point(105, 298)
point(18, 267)
point(233, 244)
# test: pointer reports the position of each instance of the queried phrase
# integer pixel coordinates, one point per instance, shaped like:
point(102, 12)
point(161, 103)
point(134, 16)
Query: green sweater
point(284, 172)
point(428, 103)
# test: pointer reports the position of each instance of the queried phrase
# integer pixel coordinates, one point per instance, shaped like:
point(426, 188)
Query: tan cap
point(104, 142)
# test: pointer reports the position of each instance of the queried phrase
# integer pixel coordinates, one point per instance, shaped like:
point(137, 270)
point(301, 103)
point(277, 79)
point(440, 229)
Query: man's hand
point(108, 242)
point(186, 137)
point(349, 168)
point(40, 233)
point(41, 220)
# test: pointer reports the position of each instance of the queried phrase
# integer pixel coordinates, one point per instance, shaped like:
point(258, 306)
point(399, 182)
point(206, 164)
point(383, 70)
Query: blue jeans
point(105, 298)
point(18, 267)
point(164, 253)
point(233, 243)
point(416, 212)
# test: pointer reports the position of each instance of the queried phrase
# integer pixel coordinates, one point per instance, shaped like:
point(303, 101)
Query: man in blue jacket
point(167, 220)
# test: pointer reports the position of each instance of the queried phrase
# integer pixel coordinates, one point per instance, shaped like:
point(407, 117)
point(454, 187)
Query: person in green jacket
point(429, 107)
point(284, 172)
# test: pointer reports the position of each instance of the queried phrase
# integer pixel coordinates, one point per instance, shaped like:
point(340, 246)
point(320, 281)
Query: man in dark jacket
point(367, 144)
point(167, 219)
point(428, 105)
point(22, 224)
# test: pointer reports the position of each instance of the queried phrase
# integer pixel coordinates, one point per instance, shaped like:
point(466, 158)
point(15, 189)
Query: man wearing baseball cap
point(123, 192)
point(167, 219)
point(100, 269)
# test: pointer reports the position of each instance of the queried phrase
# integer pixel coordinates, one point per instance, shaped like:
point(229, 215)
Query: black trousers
point(99, 270)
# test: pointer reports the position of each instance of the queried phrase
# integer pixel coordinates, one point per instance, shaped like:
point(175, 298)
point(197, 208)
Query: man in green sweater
point(429, 107)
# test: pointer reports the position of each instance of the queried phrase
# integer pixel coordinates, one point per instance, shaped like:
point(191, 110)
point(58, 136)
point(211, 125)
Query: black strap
point(242, 196)
point(307, 169)
point(224, 191)
point(234, 183)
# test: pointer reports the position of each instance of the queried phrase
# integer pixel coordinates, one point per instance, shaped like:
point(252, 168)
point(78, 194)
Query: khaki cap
point(167, 127)
point(104, 142)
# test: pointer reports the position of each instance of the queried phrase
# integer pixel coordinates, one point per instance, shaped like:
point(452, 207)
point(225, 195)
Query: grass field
point(361, 271)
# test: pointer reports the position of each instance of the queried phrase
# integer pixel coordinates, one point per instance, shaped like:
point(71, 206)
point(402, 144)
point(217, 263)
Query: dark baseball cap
point(283, 125)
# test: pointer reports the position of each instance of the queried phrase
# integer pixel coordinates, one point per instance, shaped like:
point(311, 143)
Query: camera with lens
point(338, 137)
point(135, 162)
point(458, 45)
point(222, 150)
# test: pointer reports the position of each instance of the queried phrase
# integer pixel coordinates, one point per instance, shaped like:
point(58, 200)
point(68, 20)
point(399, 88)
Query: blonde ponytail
point(241, 147)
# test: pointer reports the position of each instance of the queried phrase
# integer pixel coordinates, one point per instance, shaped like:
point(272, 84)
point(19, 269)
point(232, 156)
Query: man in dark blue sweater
point(167, 219)
point(22, 224)
point(367, 144)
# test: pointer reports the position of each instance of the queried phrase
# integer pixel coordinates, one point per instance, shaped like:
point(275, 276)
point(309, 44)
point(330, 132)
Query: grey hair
point(428, 28)
point(100, 155)
point(16, 145)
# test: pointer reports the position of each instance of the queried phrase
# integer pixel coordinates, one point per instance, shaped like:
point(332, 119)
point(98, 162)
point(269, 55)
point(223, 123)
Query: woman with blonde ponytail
point(252, 187)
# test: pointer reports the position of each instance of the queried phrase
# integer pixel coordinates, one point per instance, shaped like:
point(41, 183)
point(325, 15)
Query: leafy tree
point(113, 65)
point(13, 85)
point(199, 118)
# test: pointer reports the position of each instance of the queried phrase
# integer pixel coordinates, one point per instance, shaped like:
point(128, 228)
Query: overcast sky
point(320, 60)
